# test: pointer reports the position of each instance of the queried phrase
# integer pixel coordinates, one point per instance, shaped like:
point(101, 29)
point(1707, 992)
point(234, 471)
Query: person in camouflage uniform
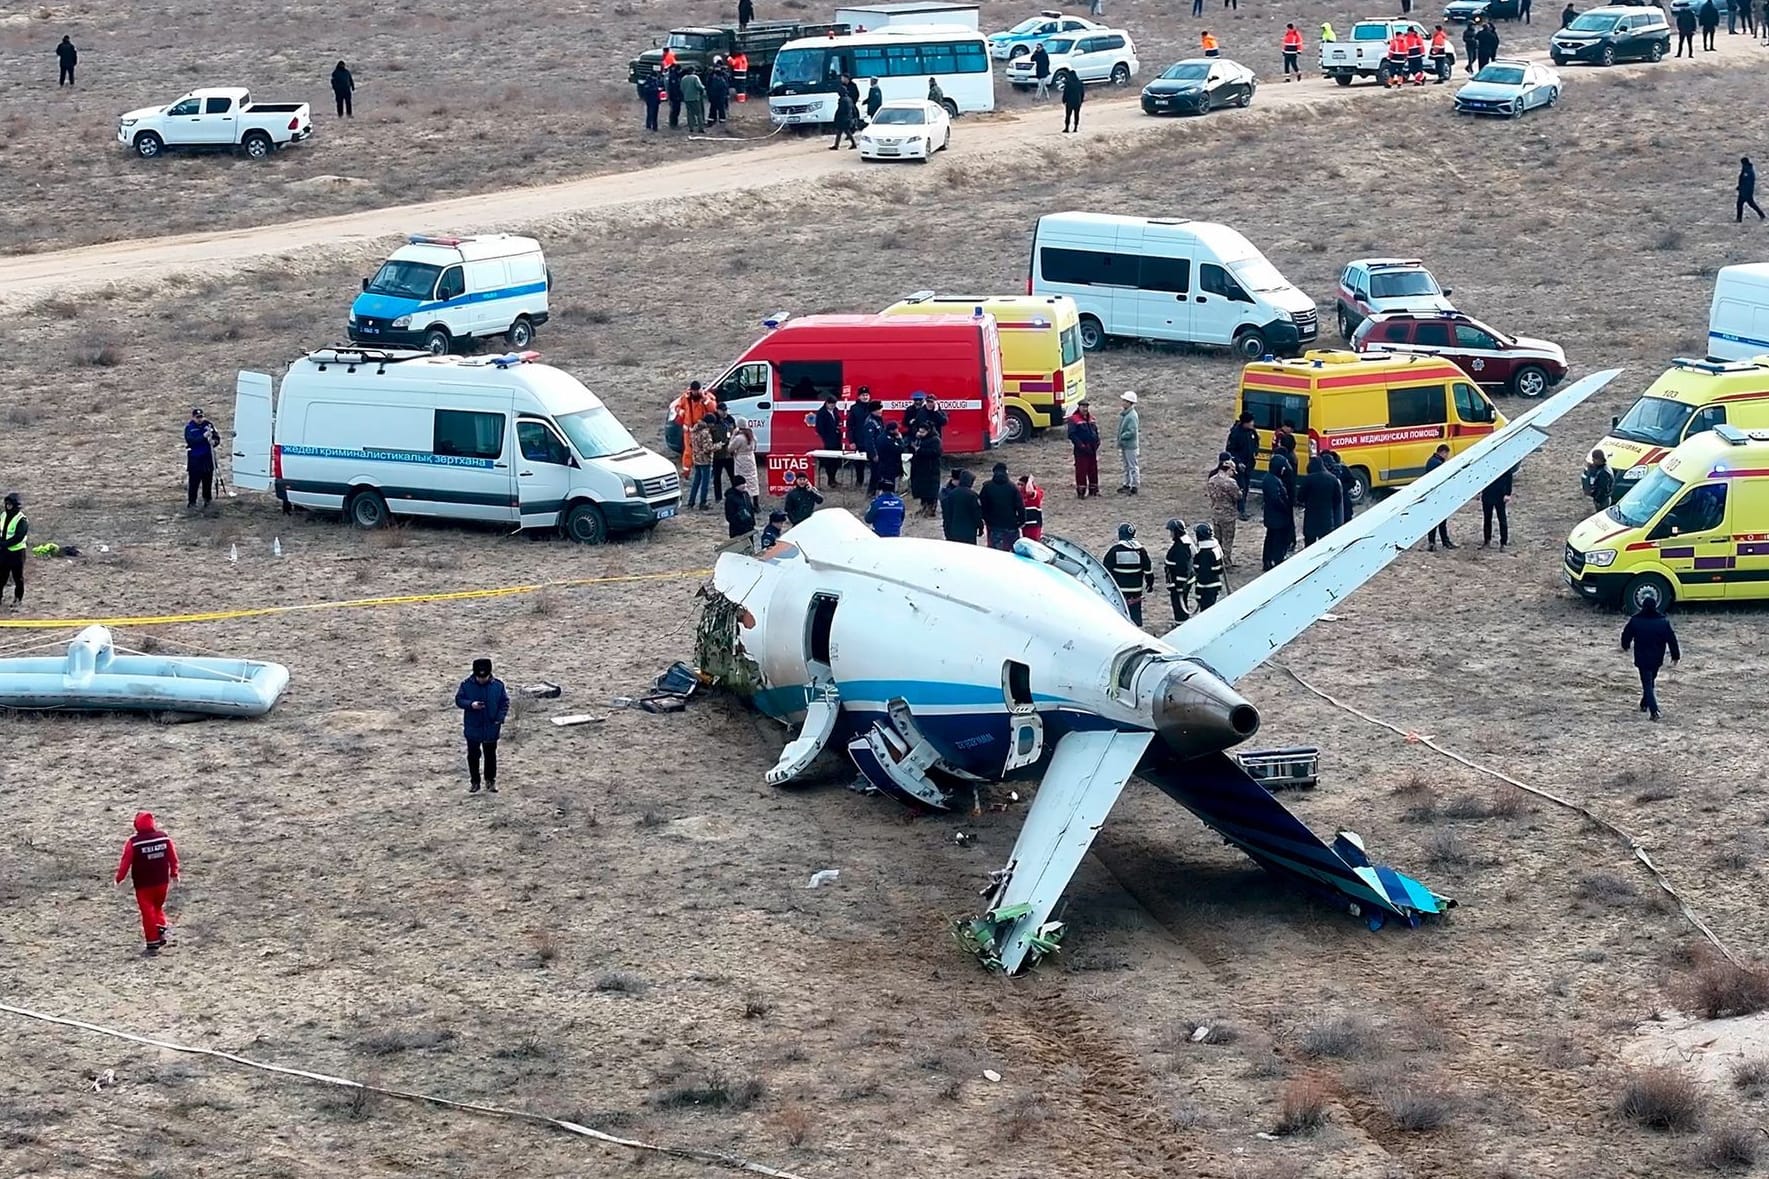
point(1224, 494)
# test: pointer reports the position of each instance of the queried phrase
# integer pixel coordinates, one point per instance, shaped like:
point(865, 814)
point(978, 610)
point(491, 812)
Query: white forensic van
point(1167, 278)
point(374, 434)
point(439, 292)
point(1738, 320)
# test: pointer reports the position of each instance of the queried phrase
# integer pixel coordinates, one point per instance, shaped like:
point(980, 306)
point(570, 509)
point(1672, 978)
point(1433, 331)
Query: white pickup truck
point(224, 117)
point(1365, 53)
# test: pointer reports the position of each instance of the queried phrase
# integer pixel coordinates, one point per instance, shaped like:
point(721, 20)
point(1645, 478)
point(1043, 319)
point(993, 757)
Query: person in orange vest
point(1415, 57)
point(1397, 59)
point(686, 411)
point(1211, 48)
point(669, 58)
point(1440, 54)
point(740, 75)
point(1292, 54)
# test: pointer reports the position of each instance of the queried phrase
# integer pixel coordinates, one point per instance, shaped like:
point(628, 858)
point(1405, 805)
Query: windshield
point(1650, 495)
point(1375, 31)
point(596, 433)
point(1059, 45)
point(1654, 421)
point(691, 41)
point(1503, 75)
point(1256, 274)
point(1592, 22)
point(1403, 284)
point(901, 114)
point(405, 280)
point(799, 67)
point(1187, 71)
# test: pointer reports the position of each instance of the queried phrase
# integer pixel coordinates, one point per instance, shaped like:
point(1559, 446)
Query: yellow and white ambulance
point(1692, 396)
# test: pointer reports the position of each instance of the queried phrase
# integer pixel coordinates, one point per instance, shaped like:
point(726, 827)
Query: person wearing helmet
point(151, 861)
point(1128, 563)
point(15, 531)
point(1207, 568)
point(1178, 567)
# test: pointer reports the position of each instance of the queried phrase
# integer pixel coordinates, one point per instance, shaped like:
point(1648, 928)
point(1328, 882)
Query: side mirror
point(365, 284)
point(1447, 292)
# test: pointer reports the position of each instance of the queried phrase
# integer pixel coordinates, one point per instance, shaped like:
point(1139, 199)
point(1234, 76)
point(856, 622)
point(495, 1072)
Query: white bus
point(902, 58)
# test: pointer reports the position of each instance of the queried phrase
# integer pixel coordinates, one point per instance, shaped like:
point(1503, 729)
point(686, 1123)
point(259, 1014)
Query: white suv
point(1101, 55)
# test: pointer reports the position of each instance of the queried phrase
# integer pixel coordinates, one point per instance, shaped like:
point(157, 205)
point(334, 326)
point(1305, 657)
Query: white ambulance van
point(440, 293)
point(502, 439)
point(1738, 318)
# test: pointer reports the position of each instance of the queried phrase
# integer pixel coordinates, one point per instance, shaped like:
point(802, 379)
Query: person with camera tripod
point(200, 440)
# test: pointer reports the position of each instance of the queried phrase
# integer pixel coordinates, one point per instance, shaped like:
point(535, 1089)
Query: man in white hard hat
point(1129, 442)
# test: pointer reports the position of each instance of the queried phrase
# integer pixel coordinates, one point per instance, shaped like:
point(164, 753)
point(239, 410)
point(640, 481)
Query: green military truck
point(698, 46)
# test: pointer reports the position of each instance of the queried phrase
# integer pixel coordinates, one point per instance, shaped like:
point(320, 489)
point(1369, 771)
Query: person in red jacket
point(152, 861)
point(1292, 53)
point(1397, 59)
point(1033, 495)
point(1415, 57)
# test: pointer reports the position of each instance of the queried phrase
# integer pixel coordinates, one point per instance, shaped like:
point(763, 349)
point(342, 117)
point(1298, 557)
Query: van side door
point(748, 392)
point(1475, 416)
point(544, 468)
point(469, 475)
point(1219, 305)
point(449, 307)
point(487, 312)
point(1696, 546)
point(1418, 419)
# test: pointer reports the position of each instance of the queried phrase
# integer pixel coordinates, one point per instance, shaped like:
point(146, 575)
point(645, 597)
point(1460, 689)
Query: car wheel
point(1360, 486)
point(585, 525)
point(1019, 427)
point(521, 333)
point(367, 509)
point(1346, 327)
point(1530, 381)
point(951, 107)
point(148, 145)
point(1250, 344)
point(1059, 80)
point(1608, 57)
point(1246, 99)
point(1382, 75)
point(437, 342)
point(1120, 75)
point(1017, 52)
point(1342, 79)
point(1517, 107)
point(1644, 586)
point(1093, 336)
point(947, 142)
point(1553, 95)
point(1557, 59)
point(257, 146)
point(1656, 52)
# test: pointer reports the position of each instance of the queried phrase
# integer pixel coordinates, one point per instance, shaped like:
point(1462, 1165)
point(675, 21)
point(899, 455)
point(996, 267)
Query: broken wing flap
point(1220, 792)
point(987, 937)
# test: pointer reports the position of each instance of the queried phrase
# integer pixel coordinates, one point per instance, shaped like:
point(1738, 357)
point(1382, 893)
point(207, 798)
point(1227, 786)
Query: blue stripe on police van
point(532, 288)
point(1732, 339)
point(375, 454)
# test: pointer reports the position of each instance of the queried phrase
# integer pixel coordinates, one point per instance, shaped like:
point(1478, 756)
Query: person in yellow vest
point(1327, 33)
point(15, 531)
point(1211, 48)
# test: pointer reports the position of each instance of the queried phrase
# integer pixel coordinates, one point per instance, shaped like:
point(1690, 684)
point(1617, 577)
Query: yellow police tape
point(399, 600)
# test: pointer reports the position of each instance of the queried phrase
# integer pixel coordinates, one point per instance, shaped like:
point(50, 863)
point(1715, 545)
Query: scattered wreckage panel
point(821, 715)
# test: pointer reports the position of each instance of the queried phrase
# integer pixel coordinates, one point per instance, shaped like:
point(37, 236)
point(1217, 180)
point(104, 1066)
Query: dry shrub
point(1419, 1108)
point(545, 949)
point(1445, 848)
point(794, 1124)
point(1665, 1099)
point(1731, 1148)
point(622, 982)
point(392, 536)
point(715, 1091)
point(1303, 1109)
point(755, 1007)
point(1343, 1037)
point(1607, 889)
point(1025, 1114)
point(1719, 990)
point(1751, 1076)
point(96, 352)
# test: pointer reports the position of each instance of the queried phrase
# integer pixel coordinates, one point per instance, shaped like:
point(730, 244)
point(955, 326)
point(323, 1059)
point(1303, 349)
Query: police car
point(1024, 37)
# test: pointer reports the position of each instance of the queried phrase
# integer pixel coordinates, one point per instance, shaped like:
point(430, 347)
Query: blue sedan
point(1509, 88)
point(1026, 36)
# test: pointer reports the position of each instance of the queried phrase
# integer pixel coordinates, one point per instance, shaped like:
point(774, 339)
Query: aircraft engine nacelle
point(1197, 714)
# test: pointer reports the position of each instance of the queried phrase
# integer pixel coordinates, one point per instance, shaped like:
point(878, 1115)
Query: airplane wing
point(1254, 623)
point(1085, 776)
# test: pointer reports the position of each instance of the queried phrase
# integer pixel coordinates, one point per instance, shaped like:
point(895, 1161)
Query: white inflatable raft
point(93, 677)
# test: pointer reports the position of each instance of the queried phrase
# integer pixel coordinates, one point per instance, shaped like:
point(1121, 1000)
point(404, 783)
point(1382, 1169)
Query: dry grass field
point(624, 936)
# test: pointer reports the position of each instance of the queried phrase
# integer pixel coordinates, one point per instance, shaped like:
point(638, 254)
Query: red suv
point(1501, 363)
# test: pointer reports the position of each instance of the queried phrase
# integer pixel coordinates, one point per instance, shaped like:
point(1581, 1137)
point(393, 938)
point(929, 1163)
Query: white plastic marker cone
point(276, 546)
point(233, 555)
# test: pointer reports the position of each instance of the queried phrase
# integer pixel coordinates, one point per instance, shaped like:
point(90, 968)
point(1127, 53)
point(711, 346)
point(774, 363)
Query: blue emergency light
point(775, 320)
point(512, 359)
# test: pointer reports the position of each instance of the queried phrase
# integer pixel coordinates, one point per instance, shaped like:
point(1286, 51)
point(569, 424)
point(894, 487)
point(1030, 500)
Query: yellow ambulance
point(1696, 528)
point(1383, 413)
point(1691, 396)
point(1043, 374)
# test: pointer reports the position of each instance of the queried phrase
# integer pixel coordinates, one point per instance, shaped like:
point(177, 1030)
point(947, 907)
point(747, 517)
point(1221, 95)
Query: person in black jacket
point(1243, 447)
point(651, 94)
point(923, 409)
point(69, 57)
point(1280, 524)
point(343, 87)
point(746, 12)
point(718, 95)
point(1207, 568)
point(802, 498)
point(1041, 71)
point(673, 88)
point(1709, 19)
point(1487, 44)
point(1322, 499)
point(740, 509)
point(1132, 571)
point(1004, 510)
point(1598, 480)
point(858, 413)
point(924, 468)
point(1650, 635)
point(887, 458)
point(1438, 458)
point(1347, 484)
point(1470, 45)
point(1747, 188)
point(961, 511)
point(1685, 31)
point(1074, 93)
point(847, 115)
point(874, 100)
point(1493, 501)
point(1178, 566)
point(828, 424)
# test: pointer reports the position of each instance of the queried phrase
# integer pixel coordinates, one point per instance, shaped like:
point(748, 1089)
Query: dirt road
point(778, 160)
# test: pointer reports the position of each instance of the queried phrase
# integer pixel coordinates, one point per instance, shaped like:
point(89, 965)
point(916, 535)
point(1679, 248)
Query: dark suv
point(1605, 36)
point(1495, 361)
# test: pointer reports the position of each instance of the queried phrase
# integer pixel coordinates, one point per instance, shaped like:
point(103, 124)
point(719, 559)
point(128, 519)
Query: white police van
point(436, 293)
point(375, 434)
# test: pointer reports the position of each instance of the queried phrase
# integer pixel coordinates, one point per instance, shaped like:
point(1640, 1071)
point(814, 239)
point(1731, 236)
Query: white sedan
point(907, 129)
point(1509, 88)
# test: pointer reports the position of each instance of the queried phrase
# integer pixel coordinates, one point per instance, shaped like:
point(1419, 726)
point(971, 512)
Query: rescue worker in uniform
point(874, 99)
point(15, 533)
point(1650, 635)
point(1084, 437)
point(1321, 501)
point(1178, 567)
point(1327, 33)
point(1128, 563)
point(1415, 45)
point(1032, 496)
point(651, 94)
point(740, 75)
point(200, 440)
point(686, 411)
point(1207, 567)
point(151, 863)
point(1440, 54)
point(777, 524)
point(1210, 45)
point(1004, 511)
point(1292, 53)
point(1227, 496)
point(886, 511)
point(1243, 446)
point(1280, 524)
point(858, 415)
point(1396, 60)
